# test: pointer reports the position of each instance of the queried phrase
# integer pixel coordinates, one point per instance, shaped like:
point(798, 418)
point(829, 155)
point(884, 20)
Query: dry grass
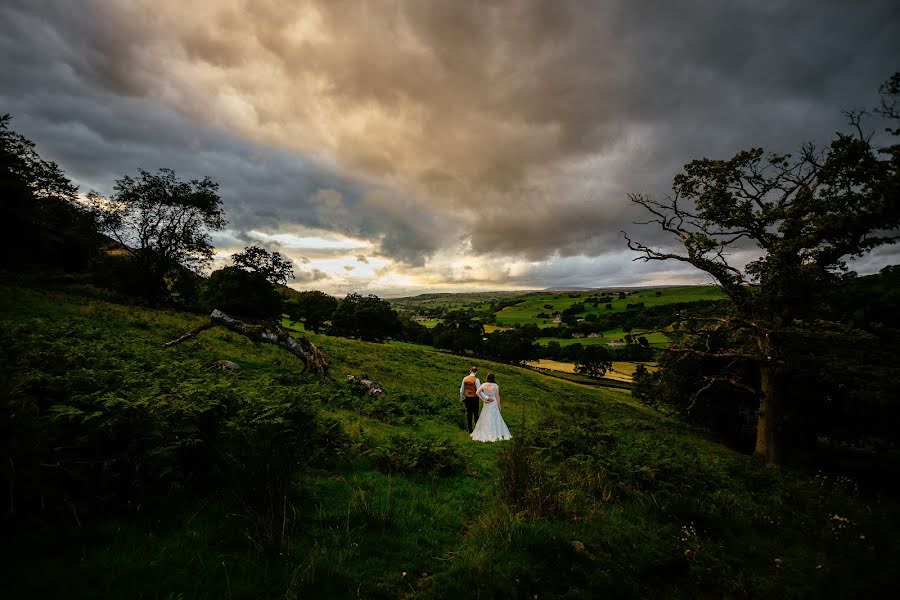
point(621, 370)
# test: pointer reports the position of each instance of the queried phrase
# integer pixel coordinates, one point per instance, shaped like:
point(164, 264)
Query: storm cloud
point(438, 134)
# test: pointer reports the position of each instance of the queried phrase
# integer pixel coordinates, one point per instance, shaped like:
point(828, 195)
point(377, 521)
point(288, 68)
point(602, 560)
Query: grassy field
point(655, 338)
point(595, 496)
point(620, 371)
point(526, 311)
point(450, 301)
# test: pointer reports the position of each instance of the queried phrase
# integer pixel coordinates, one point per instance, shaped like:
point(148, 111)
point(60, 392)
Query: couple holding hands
point(490, 426)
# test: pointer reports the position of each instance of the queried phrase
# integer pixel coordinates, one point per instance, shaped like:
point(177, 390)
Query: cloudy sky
point(399, 147)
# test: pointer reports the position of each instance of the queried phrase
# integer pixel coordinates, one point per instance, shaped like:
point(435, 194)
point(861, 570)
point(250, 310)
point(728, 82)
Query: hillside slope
point(595, 495)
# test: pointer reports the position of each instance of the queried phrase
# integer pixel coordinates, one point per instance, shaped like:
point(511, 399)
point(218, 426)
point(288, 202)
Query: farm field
point(398, 501)
point(431, 323)
point(621, 370)
point(533, 304)
point(656, 339)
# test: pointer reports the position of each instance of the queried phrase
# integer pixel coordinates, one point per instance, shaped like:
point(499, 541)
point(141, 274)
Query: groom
point(467, 394)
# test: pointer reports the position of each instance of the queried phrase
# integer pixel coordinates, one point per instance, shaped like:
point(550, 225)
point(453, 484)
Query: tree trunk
point(302, 348)
point(768, 425)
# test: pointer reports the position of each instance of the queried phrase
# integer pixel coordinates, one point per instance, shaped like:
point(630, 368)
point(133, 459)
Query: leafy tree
point(553, 350)
point(572, 351)
point(42, 219)
point(242, 293)
point(575, 309)
point(593, 360)
point(413, 331)
point(271, 265)
point(805, 215)
point(312, 307)
point(459, 332)
point(163, 223)
point(514, 346)
point(640, 376)
point(367, 317)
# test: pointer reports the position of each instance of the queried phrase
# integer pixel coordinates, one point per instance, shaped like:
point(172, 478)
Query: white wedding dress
point(490, 426)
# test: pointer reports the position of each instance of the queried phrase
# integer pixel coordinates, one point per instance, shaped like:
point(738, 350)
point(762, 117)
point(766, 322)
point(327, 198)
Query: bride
point(490, 426)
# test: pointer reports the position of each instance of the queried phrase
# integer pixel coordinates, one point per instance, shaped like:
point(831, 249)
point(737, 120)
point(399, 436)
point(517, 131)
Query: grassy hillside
point(451, 301)
point(594, 496)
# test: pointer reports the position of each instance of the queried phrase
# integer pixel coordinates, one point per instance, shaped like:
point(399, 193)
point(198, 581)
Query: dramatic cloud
point(304, 276)
point(434, 135)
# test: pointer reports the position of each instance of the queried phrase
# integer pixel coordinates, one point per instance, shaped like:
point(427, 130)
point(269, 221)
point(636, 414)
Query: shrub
point(404, 454)
point(525, 483)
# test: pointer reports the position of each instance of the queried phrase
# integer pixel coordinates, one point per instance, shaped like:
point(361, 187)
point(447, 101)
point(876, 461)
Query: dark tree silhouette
point(42, 219)
point(163, 223)
point(805, 215)
point(242, 293)
point(593, 360)
point(367, 317)
point(271, 265)
point(460, 332)
point(312, 307)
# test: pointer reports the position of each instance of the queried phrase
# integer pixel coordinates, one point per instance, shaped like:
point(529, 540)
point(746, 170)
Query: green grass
point(405, 504)
point(289, 324)
point(533, 304)
point(655, 339)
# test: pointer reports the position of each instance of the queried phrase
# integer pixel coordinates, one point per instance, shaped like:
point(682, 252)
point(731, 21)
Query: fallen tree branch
point(302, 348)
point(190, 334)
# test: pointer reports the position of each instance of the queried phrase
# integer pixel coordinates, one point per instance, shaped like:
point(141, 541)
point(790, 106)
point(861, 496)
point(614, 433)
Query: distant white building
point(616, 344)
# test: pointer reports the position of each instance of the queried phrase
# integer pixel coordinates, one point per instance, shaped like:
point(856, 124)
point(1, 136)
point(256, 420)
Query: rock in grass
point(227, 365)
point(366, 386)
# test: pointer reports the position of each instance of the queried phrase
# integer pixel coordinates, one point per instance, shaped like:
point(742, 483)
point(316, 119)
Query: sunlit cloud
point(325, 241)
